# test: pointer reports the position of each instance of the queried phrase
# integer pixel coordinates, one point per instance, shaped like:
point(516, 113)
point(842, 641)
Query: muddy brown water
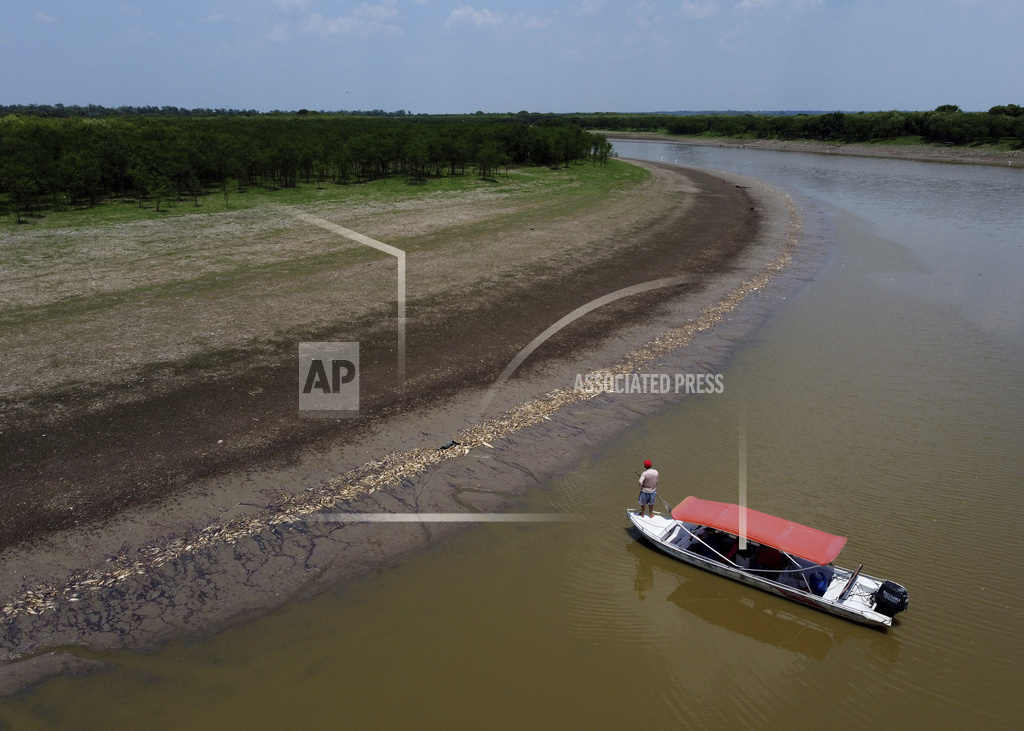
point(884, 402)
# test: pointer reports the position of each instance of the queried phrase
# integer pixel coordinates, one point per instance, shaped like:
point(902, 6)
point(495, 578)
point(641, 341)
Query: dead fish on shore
point(447, 445)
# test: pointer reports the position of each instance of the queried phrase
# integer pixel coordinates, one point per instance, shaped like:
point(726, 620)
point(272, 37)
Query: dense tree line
point(97, 111)
point(75, 161)
point(946, 124)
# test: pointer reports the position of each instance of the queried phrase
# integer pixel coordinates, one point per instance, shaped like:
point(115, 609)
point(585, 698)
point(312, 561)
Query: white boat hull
point(669, 535)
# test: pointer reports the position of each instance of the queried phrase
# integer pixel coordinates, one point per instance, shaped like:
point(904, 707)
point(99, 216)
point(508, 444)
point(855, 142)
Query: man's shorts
point(646, 498)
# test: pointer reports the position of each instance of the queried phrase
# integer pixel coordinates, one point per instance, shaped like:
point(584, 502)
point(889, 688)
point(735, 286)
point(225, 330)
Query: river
point(884, 402)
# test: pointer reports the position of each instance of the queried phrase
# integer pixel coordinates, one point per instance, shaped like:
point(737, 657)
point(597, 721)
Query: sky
point(435, 56)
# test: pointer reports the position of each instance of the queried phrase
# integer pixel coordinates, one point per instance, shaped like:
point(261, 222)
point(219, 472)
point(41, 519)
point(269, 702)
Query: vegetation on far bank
point(52, 164)
point(1001, 126)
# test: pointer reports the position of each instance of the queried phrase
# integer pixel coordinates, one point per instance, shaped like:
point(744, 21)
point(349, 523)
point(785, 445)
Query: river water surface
point(884, 402)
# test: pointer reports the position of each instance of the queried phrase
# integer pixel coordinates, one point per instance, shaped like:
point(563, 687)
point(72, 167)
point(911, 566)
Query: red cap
point(647, 463)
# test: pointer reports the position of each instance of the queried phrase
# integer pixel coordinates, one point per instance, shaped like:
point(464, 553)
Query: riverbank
point(922, 152)
point(144, 356)
point(245, 541)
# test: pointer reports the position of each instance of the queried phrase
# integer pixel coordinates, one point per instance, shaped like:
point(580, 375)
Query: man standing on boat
point(648, 488)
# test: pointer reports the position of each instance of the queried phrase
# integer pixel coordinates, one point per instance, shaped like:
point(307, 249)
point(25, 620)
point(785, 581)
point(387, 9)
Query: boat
point(772, 554)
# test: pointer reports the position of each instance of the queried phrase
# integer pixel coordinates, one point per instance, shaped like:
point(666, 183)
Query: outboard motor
point(891, 599)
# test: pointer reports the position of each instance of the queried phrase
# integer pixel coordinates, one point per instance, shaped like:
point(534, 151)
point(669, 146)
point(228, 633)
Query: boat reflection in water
point(751, 613)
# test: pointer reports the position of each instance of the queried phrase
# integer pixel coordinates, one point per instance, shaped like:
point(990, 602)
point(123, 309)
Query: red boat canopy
point(799, 540)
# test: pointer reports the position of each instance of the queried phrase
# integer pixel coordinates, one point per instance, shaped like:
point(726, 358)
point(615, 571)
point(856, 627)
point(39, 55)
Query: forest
point(56, 162)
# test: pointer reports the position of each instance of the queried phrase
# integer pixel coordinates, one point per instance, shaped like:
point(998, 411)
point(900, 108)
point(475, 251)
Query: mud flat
point(241, 534)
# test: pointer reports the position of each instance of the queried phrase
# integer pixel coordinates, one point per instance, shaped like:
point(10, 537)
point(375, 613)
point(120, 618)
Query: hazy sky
point(498, 56)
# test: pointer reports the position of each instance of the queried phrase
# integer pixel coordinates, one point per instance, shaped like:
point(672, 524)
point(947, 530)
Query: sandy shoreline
point(921, 153)
point(242, 544)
